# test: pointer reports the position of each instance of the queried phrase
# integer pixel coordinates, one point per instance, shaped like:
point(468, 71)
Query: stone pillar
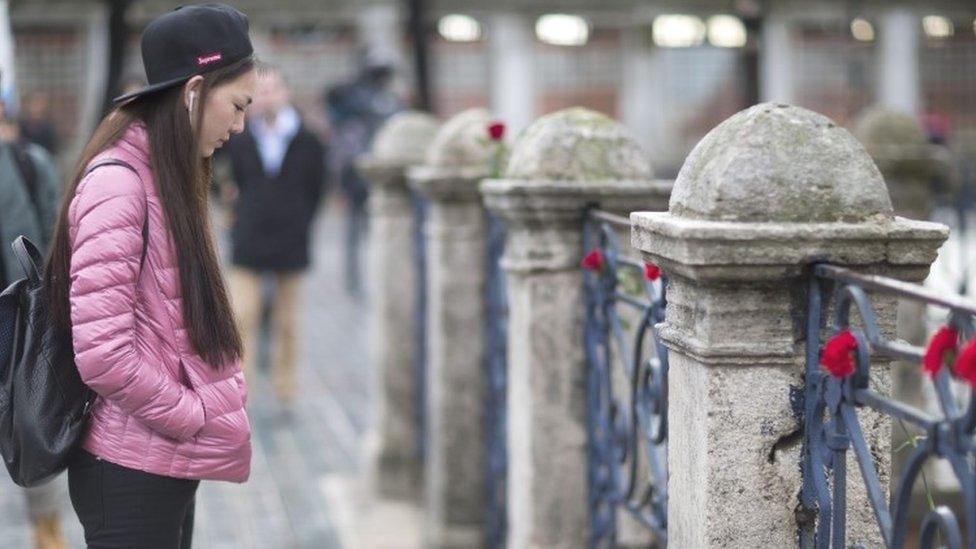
point(901, 151)
point(400, 143)
point(640, 102)
point(379, 29)
point(561, 164)
point(512, 69)
point(776, 59)
point(763, 195)
point(909, 164)
point(458, 159)
point(898, 72)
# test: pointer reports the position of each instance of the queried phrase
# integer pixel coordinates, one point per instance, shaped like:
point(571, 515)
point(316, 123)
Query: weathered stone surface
point(404, 139)
point(736, 245)
point(878, 126)
point(578, 145)
point(393, 300)
point(908, 163)
point(562, 164)
point(456, 233)
point(776, 162)
point(462, 142)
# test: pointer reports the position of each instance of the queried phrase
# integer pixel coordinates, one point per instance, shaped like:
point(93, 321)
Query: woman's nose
point(238, 126)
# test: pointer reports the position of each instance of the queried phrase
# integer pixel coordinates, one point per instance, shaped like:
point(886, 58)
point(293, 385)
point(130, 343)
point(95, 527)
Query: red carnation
point(593, 260)
point(943, 341)
point(651, 271)
point(496, 131)
point(965, 366)
point(836, 355)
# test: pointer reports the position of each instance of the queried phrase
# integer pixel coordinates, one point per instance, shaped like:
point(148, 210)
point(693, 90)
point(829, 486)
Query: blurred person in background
point(278, 172)
point(37, 125)
point(356, 110)
point(30, 192)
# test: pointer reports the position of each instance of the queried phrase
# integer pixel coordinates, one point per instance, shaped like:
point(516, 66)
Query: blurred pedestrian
point(37, 125)
point(356, 110)
point(133, 278)
point(30, 192)
point(278, 169)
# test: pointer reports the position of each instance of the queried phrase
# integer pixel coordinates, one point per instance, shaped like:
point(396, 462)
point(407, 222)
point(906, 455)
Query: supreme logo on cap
point(204, 60)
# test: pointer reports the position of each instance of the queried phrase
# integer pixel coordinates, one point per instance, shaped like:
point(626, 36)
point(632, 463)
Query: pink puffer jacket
point(161, 407)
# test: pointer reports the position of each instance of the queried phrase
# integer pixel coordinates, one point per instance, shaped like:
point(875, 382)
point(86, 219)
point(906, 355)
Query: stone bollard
point(400, 143)
point(457, 160)
point(767, 192)
point(909, 165)
point(560, 165)
point(903, 154)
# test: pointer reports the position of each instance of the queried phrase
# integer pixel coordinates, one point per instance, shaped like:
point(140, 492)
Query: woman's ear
point(191, 92)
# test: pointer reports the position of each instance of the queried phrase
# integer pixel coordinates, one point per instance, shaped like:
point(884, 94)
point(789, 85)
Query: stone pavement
point(308, 484)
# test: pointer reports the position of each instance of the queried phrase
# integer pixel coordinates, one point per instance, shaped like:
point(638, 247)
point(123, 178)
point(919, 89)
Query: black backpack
point(44, 405)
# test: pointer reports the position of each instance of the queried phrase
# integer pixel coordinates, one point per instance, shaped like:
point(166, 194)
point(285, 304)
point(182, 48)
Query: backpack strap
point(29, 258)
point(145, 223)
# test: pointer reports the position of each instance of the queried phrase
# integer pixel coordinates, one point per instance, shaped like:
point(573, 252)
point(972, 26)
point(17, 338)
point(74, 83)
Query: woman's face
point(224, 112)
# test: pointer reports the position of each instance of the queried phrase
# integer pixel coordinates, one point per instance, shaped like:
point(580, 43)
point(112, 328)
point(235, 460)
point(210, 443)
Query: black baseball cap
point(188, 41)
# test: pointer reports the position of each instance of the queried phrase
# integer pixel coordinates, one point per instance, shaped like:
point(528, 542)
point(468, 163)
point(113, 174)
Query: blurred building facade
point(668, 79)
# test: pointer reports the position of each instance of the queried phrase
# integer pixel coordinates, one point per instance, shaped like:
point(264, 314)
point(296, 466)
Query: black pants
point(128, 509)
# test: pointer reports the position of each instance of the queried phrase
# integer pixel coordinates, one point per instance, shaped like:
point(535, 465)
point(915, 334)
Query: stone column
point(512, 69)
point(763, 195)
point(640, 102)
point(400, 143)
point(898, 72)
point(458, 159)
point(901, 151)
point(561, 164)
point(379, 30)
point(909, 164)
point(776, 59)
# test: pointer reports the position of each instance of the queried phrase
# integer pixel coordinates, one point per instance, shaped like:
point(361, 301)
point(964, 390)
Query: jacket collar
point(135, 140)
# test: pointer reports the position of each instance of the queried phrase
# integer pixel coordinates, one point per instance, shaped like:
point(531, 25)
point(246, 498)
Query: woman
point(133, 276)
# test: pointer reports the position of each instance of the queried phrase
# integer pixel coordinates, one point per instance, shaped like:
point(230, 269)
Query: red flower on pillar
point(496, 131)
point(965, 366)
point(940, 350)
point(652, 272)
point(593, 260)
point(836, 356)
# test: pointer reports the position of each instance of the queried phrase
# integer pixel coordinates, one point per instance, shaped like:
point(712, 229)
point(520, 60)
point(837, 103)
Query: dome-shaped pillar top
point(400, 143)
point(772, 189)
point(779, 163)
point(573, 158)
point(459, 157)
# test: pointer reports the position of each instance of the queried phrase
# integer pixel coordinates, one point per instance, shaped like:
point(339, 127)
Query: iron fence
point(627, 383)
point(834, 401)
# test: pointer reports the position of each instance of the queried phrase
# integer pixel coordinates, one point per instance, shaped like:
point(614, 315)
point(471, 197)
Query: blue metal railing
point(627, 428)
point(831, 426)
point(496, 364)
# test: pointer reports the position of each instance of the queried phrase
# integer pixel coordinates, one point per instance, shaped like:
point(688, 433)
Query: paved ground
point(306, 488)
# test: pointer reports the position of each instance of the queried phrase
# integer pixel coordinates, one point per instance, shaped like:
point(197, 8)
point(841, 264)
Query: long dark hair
point(182, 182)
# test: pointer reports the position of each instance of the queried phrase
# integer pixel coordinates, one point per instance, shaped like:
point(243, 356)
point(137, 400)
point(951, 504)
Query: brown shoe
point(47, 533)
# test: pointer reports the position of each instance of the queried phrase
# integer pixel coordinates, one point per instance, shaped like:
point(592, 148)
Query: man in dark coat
point(278, 169)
